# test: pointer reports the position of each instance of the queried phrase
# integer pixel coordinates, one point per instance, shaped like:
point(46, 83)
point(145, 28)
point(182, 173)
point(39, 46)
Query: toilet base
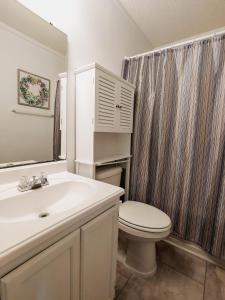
point(141, 274)
point(141, 257)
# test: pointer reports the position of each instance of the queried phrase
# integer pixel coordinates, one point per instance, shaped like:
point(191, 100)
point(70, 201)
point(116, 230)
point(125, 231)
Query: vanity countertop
point(68, 199)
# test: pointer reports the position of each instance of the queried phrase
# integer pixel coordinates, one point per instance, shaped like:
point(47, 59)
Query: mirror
point(33, 88)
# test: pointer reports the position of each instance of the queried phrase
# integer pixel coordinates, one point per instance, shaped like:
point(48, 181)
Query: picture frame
point(33, 90)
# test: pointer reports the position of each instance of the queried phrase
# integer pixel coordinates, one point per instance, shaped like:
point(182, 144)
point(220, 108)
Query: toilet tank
point(111, 175)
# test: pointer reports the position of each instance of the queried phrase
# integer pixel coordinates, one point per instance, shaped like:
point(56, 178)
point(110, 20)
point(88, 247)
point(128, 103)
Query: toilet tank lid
point(106, 172)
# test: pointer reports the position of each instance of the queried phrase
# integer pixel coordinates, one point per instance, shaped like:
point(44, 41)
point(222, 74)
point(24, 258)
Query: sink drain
point(43, 215)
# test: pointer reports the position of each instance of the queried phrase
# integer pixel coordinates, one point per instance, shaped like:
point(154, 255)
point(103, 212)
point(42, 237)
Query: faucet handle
point(24, 183)
point(44, 178)
point(34, 178)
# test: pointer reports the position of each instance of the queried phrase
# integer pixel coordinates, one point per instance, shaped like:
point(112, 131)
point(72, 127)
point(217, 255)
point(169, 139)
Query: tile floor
point(188, 279)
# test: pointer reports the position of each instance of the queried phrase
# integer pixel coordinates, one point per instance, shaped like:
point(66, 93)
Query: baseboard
point(194, 250)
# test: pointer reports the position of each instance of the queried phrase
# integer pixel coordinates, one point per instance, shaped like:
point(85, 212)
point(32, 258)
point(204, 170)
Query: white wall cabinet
point(113, 103)
point(107, 97)
point(79, 266)
point(104, 120)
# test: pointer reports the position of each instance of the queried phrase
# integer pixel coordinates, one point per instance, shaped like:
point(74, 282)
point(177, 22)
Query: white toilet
point(142, 225)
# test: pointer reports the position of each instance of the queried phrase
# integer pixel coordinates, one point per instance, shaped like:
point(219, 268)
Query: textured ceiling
point(166, 21)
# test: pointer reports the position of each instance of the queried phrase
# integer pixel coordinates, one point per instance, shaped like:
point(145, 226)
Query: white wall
point(25, 137)
point(98, 30)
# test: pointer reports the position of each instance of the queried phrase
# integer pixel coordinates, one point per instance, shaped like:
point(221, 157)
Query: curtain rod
point(175, 45)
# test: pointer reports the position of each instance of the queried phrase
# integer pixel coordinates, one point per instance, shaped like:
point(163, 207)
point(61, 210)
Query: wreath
point(28, 96)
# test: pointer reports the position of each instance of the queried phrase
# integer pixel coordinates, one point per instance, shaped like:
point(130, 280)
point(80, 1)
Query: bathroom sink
point(45, 202)
point(36, 214)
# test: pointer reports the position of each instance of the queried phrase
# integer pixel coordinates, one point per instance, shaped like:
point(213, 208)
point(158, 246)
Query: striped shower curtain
point(178, 144)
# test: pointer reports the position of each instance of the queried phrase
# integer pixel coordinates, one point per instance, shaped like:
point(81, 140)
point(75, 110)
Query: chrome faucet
point(27, 183)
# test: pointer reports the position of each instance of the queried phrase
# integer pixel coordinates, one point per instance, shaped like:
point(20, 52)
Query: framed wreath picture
point(33, 90)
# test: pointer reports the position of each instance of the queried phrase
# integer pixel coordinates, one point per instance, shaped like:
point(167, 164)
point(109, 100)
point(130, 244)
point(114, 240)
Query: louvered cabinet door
point(126, 108)
point(106, 114)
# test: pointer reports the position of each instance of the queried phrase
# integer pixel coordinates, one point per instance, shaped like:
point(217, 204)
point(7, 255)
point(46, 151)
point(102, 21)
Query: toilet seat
point(143, 217)
point(143, 229)
point(138, 234)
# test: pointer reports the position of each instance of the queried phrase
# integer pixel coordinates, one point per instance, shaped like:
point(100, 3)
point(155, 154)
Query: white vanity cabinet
point(79, 266)
point(104, 101)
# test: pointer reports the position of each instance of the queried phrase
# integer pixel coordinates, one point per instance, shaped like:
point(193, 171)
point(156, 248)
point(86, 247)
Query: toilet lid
point(143, 215)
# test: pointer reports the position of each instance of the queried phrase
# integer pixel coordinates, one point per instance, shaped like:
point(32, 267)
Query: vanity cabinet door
point(51, 275)
point(98, 256)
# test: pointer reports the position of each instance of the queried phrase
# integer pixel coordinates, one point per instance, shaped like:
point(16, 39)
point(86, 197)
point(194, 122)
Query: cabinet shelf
point(106, 160)
point(112, 159)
